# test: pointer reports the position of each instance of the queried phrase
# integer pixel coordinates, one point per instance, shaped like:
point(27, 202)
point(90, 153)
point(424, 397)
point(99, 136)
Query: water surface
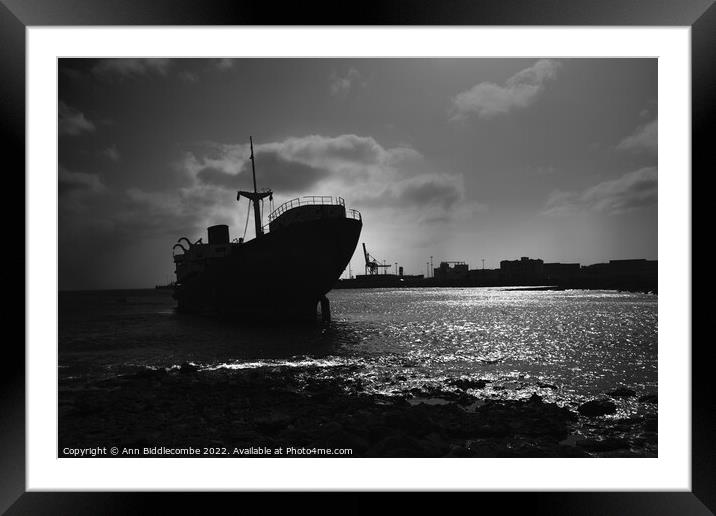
point(567, 346)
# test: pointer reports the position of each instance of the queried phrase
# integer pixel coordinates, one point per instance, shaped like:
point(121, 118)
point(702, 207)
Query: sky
point(458, 159)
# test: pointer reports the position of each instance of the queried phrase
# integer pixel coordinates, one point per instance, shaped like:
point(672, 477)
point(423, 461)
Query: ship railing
point(350, 214)
point(306, 201)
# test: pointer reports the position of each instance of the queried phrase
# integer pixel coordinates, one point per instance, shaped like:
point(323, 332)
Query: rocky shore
point(274, 407)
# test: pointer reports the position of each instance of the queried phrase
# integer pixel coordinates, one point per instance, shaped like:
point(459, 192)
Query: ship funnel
point(218, 234)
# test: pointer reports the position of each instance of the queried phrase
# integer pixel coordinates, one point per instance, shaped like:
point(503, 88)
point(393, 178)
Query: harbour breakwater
point(645, 285)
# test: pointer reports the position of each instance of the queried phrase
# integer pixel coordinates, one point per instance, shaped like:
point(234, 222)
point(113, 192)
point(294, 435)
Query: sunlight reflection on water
point(564, 345)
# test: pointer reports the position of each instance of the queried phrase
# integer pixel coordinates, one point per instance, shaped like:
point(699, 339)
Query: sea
point(567, 346)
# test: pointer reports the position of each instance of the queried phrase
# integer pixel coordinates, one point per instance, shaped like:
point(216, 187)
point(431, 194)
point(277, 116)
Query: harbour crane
point(371, 263)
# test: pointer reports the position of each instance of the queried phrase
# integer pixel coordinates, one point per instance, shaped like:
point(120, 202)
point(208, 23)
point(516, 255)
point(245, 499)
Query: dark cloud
point(634, 190)
point(120, 67)
point(440, 191)
point(215, 176)
point(111, 153)
point(72, 122)
point(77, 181)
point(431, 192)
point(276, 172)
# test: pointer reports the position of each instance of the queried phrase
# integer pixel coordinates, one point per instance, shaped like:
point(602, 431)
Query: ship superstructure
point(284, 272)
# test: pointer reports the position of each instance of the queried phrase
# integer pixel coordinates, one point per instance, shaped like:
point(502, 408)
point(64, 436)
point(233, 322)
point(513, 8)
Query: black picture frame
point(17, 15)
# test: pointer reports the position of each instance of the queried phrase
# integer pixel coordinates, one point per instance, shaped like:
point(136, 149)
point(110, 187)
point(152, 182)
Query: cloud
point(634, 190)
point(295, 164)
point(73, 122)
point(225, 64)
point(340, 86)
point(189, 77)
point(349, 165)
point(352, 166)
point(111, 153)
point(487, 100)
point(121, 67)
point(78, 181)
point(424, 190)
point(275, 170)
point(644, 139)
point(135, 221)
point(426, 198)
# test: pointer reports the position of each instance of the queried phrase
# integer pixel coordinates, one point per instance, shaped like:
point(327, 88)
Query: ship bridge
point(311, 207)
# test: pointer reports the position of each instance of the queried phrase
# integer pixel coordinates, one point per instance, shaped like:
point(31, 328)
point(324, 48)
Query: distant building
point(630, 267)
point(619, 268)
point(561, 271)
point(524, 270)
point(484, 277)
point(634, 275)
point(595, 269)
point(446, 272)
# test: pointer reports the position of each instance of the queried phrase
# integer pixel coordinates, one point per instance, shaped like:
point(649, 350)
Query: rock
point(570, 452)
point(651, 437)
point(597, 408)
point(620, 454)
point(66, 408)
point(603, 445)
point(466, 383)
point(649, 398)
point(651, 425)
point(542, 385)
point(535, 398)
point(186, 367)
point(152, 374)
point(622, 392)
point(458, 451)
point(274, 422)
point(394, 446)
point(331, 428)
point(414, 421)
point(343, 439)
point(494, 431)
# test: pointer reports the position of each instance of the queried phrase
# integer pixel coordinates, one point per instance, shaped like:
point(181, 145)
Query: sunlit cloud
point(371, 177)
point(341, 85)
point(487, 100)
point(645, 138)
point(225, 64)
point(632, 191)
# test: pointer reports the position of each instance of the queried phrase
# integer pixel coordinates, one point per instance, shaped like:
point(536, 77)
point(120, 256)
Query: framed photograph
point(443, 249)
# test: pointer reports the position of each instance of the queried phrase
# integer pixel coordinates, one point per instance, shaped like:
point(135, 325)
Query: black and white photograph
point(357, 257)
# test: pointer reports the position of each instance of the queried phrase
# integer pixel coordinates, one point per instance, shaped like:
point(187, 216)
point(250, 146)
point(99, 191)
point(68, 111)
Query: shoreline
point(272, 407)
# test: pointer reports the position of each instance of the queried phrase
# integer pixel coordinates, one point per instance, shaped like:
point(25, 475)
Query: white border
point(672, 468)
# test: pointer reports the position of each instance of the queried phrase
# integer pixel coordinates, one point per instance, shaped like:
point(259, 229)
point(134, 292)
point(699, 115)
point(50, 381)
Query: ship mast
point(255, 196)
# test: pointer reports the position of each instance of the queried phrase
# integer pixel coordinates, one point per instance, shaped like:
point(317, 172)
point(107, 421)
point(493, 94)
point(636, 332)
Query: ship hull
point(279, 276)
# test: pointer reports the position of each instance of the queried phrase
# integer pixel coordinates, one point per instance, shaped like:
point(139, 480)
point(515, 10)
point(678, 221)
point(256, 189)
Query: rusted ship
point(283, 273)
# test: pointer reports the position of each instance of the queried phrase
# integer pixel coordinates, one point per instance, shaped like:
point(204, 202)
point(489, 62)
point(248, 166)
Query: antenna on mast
point(255, 196)
point(253, 162)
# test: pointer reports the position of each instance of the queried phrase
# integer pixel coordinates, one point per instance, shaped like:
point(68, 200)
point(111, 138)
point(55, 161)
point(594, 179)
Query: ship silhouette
point(283, 273)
